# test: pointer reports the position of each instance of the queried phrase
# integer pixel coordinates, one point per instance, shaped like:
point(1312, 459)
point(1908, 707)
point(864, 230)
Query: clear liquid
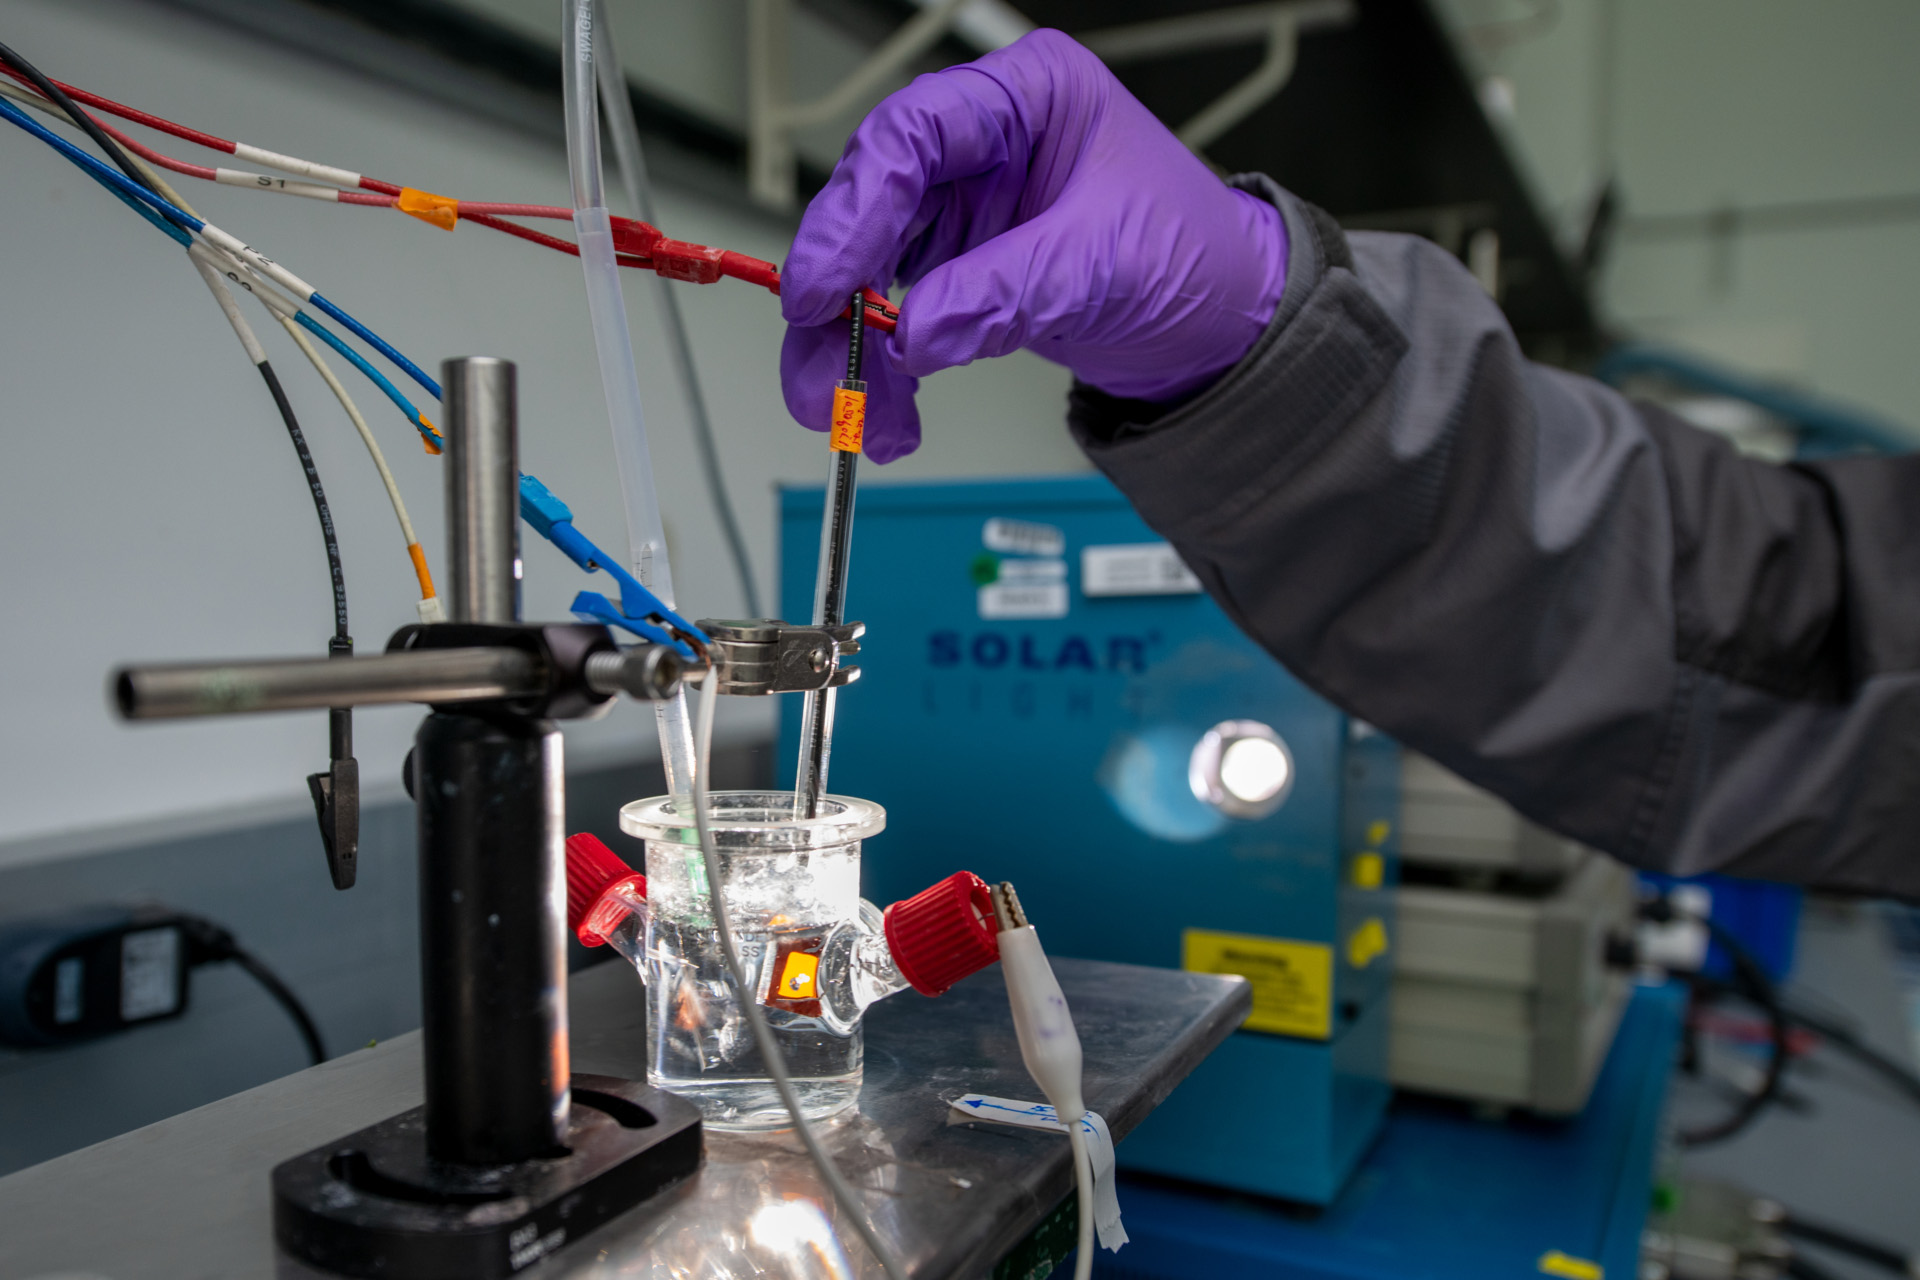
point(780, 903)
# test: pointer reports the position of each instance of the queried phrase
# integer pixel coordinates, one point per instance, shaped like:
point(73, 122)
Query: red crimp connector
point(679, 260)
point(634, 237)
point(639, 244)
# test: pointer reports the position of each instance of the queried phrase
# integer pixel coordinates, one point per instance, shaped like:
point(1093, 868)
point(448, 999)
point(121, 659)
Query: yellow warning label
point(797, 979)
point(849, 419)
point(1367, 942)
point(1567, 1267)
point(1369, 870)
point(1292, 981)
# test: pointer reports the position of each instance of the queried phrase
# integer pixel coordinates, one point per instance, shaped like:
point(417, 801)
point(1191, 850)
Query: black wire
point(856, 338)
point(210, 943)
point(319, 498)
point(55, 94)
point(58, 97)
point(279, 990)
point(1840, 1037)
point(1800, 1267)
point(1752, 982)
point(1760, 990)
point(1880, 1255)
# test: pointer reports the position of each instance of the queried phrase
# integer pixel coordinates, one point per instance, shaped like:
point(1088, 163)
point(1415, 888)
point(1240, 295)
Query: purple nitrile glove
point(1029, 201)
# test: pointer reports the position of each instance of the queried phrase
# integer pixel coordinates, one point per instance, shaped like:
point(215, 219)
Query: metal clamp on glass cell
point(755, 656)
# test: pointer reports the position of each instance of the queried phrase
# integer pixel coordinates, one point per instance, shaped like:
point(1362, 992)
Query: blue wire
point(180, 237)
point(99, 170)
point(170, 220)
point(379, 344)
point(124, 186)
point(378, 379)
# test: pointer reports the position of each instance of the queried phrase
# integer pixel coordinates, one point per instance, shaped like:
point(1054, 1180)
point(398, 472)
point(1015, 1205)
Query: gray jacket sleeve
point(1691, 660)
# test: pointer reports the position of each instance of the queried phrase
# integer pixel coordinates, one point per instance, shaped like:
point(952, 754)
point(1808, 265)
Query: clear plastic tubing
point(619, 380)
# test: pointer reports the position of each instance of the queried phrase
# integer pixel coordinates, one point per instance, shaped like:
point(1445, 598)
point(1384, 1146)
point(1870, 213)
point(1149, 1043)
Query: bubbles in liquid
point(703, 1048)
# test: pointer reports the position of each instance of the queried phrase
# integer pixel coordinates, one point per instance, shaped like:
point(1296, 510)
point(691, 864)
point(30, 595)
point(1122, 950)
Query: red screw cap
point(593, 873)
point(942, 934)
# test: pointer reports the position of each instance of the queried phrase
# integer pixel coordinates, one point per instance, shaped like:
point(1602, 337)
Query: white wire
point(147, 171)
point(359, 424)
point(222, 295)
point(763, 1034)
point(1083, 1180)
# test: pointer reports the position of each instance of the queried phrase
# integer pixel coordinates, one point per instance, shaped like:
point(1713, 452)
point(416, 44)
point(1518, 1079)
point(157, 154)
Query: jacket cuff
point(1193, 464)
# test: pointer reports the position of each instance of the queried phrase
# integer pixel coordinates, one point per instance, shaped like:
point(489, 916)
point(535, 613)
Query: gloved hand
point(1028, 200)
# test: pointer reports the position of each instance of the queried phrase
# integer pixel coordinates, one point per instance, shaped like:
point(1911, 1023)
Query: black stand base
point(373, 1204)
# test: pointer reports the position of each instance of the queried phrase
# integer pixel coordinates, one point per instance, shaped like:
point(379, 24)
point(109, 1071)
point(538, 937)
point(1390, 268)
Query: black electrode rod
point(836, 546)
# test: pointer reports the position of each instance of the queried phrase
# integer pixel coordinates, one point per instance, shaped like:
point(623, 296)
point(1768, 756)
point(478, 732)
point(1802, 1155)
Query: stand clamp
point(757, 656)
point(511, 1158)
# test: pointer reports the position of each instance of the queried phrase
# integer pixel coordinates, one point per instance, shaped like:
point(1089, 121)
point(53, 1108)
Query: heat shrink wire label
point(849, 416)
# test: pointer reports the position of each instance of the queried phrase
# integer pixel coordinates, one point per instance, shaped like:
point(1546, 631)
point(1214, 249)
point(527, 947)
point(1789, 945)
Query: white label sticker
point(68, 977)
point(1029, 571)
point(149, 973)
point(1038, 1115)
point(1023, 538)
point(1024, 600)
point(1137, 569)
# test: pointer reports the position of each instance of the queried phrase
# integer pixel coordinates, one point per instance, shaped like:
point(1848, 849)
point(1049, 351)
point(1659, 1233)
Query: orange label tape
point(849, 419)
point(441, 211)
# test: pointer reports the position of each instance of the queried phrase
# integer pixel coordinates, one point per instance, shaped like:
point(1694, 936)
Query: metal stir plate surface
point(191, 1194)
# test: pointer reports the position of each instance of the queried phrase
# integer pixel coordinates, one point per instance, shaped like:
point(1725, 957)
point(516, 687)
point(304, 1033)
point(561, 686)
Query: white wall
point(1704, 105)
point(150, 501)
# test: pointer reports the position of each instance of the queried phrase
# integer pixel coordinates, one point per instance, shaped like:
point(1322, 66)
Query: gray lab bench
point(188, 1197)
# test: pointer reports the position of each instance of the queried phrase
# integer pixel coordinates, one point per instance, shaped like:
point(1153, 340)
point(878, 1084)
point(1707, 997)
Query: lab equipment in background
point(510, 1158)
point(817, 954)
point(1707, 1229)
point(1763, 918)
point(1178, 798)
point(1508, 986)
point(97, 970)
point(1445, 1195)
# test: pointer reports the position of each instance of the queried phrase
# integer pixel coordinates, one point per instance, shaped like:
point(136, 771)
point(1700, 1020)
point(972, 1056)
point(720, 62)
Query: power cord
point(209, 943)
point(1873, 1252)
point(1754, 984)
point(1845, 1039)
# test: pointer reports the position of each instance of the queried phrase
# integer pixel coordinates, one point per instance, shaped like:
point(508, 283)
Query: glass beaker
point(790, 882)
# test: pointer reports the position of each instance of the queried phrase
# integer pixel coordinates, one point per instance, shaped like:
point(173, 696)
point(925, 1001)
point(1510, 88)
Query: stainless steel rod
point(483, 489)
point(175, 690)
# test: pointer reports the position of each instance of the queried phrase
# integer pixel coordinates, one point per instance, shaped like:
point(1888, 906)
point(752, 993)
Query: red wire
point(876, 311)
point(130, 113)
point(471, 208)
point(151, 156)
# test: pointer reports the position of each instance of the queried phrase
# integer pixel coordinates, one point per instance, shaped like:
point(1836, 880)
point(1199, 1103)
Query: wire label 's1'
point(849, 416)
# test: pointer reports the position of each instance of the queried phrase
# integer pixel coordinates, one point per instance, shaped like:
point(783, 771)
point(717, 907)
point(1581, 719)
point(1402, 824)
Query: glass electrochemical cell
point(789, 884)
point(815, 954)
